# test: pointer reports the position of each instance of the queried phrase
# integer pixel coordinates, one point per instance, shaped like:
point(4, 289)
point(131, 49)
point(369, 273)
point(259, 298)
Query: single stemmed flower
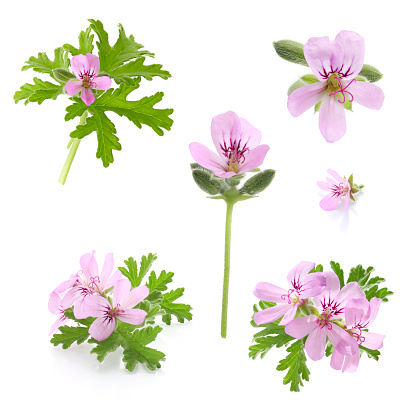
point(86, 68)
point(359, 315)
point(303, 285)
point(337, 189)
point(239, 152)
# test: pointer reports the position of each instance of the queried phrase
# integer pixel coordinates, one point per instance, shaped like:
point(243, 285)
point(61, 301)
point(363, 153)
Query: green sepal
point(329, 348)
point(361, 79)
point(290, 51)
point(370, 73)
point(63, 75)
point(317, 107)
point(351, 180)
point(206, 182)
point(258, 182)
point(297, 84)
point(348, 105)
point(309, 79)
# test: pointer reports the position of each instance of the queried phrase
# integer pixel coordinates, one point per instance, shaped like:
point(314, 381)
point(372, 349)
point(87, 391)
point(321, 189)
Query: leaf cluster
point(134, 340)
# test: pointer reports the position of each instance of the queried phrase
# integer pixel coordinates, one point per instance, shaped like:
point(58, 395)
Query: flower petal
point(93, 63)
point(289, 315)
point(89, 266)
point(353, 48)
point(132, 316)
point(249, 135)
point(367, 94)
point(337, 176)
point(73, 87)
point(59, 322)
point(254, 158)
point(356, 311)
point(349, 291)
point(373, 341)
point(325, 186)
point(332, 122)
point(300, 270)
point(342, 340)
point(80, 65)
point(64, 286)
point(337, 360)
point(300, 327)
point(96, 306)
point(347, 199)
point(315, 343)
point(269, 292)
point(374, 307)
point(207, 158)
point(313, 284)
point(305, 97)
point(107, 268)
point(102, 83)
point(54, 303)
point(351, 363)
point(102, 328)
point(272, 314)
point(87, 96)
point(127, 298)
point(225, 128)
point(71, 296)
point(113, 279)
point(331, 289)
point(329, 202)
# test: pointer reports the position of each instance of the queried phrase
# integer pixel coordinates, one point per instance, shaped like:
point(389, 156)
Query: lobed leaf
point(336, 268)
point(38, 92)
point(159, 283)
point(86, 45)
point(69, 335)
point(105, 347)
point(44, 65)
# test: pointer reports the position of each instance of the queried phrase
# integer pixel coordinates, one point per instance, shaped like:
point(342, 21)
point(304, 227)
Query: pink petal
point(89, 266)
point(80, 65)
point(126, 298)
point(96, 306)
point(331, 289)
point(305, 97)
point(132, 316)
point(228, 174)
point(323, 55)
point(342, 340)
point(315, 343)
point(355, 311)
point(225, 128)
point(367, 94)
point(353, 48)
point(337, 360)
point(373, 341)
point(300, 270)
point(313, 284)
point(249, 135)
point(300, 327)
point(332, 122)
point(59, 322)
point(81, 310)
point(107, 269)
point(325, 186)
point(93, 63)
point(73, 87)
point(102, 328)
point(351, 363)
point(329, 202)
point(289, 315)
point(374, 307)
point(347, 199)
point(54, 303)
point(254, 158)
point(67, 284)
point(337, 176)
point(102, 83)
point(113, 279)
point(349, 291)
point(87, 96)
point(269, 292)
point(272, 314)
point(70, 297)
point(207, 158)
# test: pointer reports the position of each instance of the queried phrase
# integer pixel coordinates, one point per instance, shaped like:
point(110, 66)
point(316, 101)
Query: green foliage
point(336, 268)
point(370, 73)
point(374, 354)
point(132, 273)
point(258, 183)
point(206, 182)
point(159, 283)
point(44, 65)
point(180, 310)
point(105, 347)
point(317, 268)
point(295, 363)
point(146, 264)
point(86, 43)
point(38, 92)
point(262, 344)
point(69, 335)
point(290, 51)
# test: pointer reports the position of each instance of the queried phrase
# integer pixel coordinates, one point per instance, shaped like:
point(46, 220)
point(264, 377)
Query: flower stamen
point(343, 90)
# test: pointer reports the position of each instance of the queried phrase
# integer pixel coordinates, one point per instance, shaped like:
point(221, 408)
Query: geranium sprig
point(113, 312)
point(86, 79)
point(319, 315)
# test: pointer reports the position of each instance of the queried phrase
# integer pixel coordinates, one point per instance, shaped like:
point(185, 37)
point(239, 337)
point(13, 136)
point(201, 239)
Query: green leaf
point(374, 354)
point(295, 363)
point(329, 349)
point(317, 268)
point(38, 92)
point(131, 272)
point(336, 268)
point(371, 73)
point(69, 335)
point(105, 347)
point(86, 45)
point(139, 112)
point(258, 183)
point(290, 51)
point(44, 65)
point(146, 264)
point(180, 310)
point(159, 283)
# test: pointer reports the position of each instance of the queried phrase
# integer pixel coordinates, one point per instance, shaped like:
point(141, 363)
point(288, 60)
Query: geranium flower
point(331, 303)
point(90, 282)
point(122, 309)
point(335, 63)
point(56, 307)
point(303, 285)
point(337, 189)
point(86, 68)
point(237, 143)
point(359, 315)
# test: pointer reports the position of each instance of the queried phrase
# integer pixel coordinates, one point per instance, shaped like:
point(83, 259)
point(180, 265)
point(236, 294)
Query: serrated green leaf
point(159, 283)
point(69, 335)
point(180, 310)
point(336, 268)
point(374, 354)
point(38, 92)
point(295, 363)
point(86, 39)
point(317, 268)
point(290, 51)
point(44, 65)
point(131, 272)
point(262, 345)
point(105, 347)
point(146, 264)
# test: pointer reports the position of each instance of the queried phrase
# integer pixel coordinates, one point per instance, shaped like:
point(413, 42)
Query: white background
point(221, 58)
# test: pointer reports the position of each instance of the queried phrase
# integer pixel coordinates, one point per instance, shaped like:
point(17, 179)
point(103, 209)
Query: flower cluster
point(323, 314)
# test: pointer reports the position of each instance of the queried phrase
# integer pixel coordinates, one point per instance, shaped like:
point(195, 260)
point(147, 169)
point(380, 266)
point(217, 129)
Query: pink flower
point(90, 282)
point(331, 303)
point(123, 302)
point(335, 63)
point(56, 307)
point(237, 143)
point(86, 68)
point(303, 285)
point(337, 189)
point(359, 315)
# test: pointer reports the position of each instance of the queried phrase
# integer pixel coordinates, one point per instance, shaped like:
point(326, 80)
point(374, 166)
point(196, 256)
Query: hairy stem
point(227, 253)
point(73, 144)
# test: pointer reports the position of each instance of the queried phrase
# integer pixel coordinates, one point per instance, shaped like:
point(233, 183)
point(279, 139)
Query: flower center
point(356, 333)
point(331, 308)
point(235, 154)
point(87, 79)
point(340, 189)
point(335, 87)
point(323, 320)
point(93, 283)
point(115, 311)
point(291, 298)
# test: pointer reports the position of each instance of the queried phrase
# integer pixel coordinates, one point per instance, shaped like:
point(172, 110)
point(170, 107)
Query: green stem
point(227, 254)
point(74, 143)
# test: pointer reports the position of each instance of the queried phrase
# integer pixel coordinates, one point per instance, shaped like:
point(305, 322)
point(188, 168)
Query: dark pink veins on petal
point(330, 307)
point(235, 152)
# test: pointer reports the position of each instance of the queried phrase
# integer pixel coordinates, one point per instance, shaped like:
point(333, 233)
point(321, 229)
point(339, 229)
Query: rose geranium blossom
point(359, 315)
point(122, 306)
point(335, 63)
point(86, 68)
point(337, 189)
point(331, 303)
point(237, 143)
point(303, 285)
